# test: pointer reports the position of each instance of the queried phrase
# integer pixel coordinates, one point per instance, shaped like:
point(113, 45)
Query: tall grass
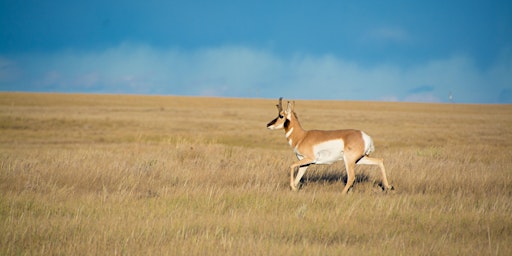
point(132, 175)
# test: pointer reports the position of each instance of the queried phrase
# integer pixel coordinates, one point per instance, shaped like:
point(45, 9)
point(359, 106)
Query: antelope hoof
point(388, 188)
point(294, 188)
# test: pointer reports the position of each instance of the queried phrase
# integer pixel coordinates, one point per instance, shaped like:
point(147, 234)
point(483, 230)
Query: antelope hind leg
point(380, 162)
point(350, 177)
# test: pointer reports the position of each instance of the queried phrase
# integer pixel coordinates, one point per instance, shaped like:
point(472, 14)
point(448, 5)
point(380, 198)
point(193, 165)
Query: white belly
point(328, 152)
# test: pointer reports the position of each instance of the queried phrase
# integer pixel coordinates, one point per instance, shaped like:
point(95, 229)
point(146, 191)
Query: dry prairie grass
point(135, 175)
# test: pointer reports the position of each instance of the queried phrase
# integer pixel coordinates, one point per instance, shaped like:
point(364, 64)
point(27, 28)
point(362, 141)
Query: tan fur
point(303, 142)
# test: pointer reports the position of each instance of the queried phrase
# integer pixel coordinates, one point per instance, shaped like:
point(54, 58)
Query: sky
point(410, 51)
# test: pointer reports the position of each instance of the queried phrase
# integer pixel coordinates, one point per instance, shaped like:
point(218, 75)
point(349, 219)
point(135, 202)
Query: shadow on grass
point(333, 176)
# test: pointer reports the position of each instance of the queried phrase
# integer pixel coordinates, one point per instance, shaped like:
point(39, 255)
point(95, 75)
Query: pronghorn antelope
point(325, 147)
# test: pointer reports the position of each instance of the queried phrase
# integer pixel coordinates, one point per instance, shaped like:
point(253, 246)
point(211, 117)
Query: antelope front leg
point(300, 173)
point(302, 165)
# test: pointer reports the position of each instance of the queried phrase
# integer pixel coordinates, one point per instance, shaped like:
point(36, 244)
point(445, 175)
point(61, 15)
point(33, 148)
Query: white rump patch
point(368, 144)
point(328, 152)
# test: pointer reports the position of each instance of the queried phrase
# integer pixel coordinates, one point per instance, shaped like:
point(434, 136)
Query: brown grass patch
point(118, 174)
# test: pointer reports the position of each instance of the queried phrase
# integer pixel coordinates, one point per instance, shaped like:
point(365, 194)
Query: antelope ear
point(291, 105)
point(289, 110)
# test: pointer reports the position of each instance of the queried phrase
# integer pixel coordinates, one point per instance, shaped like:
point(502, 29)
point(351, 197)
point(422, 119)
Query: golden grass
point(138, 175)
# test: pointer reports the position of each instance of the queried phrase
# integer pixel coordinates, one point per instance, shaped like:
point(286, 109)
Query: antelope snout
point(270, 125)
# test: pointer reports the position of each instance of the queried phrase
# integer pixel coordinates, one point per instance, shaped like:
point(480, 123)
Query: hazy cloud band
point(238, 71)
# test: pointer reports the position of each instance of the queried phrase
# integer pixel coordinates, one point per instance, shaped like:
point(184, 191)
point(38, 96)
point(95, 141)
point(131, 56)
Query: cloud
point(422, 89)
point(238, 71)
point(8, 70)
point(423, 93)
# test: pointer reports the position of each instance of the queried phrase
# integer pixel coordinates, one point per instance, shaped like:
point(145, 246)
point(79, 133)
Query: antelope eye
point(281, 116)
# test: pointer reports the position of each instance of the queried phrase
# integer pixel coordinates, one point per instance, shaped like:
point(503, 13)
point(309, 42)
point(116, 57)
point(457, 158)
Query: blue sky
point(418, 51)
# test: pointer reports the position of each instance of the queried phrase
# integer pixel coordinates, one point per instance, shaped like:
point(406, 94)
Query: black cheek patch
point(286, 123)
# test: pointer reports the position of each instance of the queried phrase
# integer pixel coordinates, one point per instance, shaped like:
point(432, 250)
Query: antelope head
point(283, 116)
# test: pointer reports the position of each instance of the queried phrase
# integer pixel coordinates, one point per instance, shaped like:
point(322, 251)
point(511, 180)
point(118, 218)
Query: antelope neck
point(293, 131)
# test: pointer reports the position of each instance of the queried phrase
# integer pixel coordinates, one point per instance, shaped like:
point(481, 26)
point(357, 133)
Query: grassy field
point(146, 175)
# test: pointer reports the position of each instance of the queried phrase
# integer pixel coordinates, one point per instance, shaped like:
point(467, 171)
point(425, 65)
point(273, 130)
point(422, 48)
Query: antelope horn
point(280, 105)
